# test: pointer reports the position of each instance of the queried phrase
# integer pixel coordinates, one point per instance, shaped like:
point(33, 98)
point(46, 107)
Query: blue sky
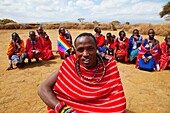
point(133, 11)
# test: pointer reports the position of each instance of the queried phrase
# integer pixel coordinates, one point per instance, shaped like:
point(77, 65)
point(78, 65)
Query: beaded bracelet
point(59, 107)
point(67, 109)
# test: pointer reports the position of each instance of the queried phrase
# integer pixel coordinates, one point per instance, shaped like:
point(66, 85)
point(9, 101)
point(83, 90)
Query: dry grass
point(160, 29)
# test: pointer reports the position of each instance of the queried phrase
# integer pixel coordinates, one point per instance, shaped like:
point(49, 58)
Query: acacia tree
point(165, 11)
point(81, 19)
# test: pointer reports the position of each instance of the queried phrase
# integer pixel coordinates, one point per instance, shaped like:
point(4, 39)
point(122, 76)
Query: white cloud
point(134, 11)
point(85, 3)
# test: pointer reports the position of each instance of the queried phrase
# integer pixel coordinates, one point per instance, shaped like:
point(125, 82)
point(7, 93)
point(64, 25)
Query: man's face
point(86, 51)
point(108, 37)
point(167, 40)
point(151, 34)
point(135, 33)
point(32, 36)
point(98, 30)
point(122, 35)
point(40, 31)
point(62, 31)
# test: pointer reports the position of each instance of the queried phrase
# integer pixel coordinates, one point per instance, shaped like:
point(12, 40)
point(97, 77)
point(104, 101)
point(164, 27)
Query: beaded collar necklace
point(91, 80)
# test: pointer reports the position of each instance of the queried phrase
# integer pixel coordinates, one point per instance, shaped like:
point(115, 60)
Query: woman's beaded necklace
point(90, 80)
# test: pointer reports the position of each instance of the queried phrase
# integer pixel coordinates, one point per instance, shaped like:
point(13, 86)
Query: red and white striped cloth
point(106, 96)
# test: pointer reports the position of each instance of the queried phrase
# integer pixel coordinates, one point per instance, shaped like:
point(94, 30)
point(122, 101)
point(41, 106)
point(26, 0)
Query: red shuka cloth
point(100, 39)
point(37, 46)
point(106, 96)
point(165, 55)
point(47, 48)
point(111, 44)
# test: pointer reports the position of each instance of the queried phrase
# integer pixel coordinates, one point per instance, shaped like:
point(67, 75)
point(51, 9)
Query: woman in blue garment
point(149, 53)
point(134, 43)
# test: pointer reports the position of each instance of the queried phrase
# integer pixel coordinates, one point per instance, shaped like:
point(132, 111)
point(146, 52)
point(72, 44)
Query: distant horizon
point(134, 11)
point(86, 21)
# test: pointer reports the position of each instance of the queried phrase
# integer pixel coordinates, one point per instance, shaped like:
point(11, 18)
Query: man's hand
point(146, 60)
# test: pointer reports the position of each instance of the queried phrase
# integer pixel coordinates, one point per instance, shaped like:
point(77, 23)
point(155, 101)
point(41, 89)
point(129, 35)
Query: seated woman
point(149, 53)
point(65, 47)
point(165, 56)
point(134, 43)
point(100, 39)
point(34, 47)
point(46, 43)
point(110, 44)
point(121, 47)
point(16, 52)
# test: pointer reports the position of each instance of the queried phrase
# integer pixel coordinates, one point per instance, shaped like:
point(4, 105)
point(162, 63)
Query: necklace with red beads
point(91, 80)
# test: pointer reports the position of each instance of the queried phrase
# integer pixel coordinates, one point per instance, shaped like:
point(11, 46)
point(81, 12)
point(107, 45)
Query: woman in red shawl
point(121, 47)
point(46, 43)
point(165, 56)
point(85, 83)
point(34, 47)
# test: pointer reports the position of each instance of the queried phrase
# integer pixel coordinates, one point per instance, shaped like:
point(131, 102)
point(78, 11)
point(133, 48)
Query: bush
point(5, 21)
point(160, 29)
point(12, 26)
point(69, 25)
point(85, 25)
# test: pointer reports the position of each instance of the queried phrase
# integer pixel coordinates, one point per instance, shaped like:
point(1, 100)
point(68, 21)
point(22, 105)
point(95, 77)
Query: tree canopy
point(5, 21)
point(166, 10)
point(81, 19)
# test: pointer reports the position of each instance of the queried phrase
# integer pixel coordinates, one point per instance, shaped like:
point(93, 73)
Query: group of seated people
point(147, 53)
point(37, 46)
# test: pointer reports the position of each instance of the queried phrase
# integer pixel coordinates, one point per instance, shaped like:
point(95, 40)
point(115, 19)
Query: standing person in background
point(16, 52)
point(110, 43)
point(121, 47)
point(85, 82)
point(149, 53)
point(165, 53)
point(134, 43)
point(65, 47)
point(46, 43)
point(34, 47)
point(100, 39)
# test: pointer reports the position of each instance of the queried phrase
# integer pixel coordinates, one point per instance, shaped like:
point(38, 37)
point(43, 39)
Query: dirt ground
point(146, 92)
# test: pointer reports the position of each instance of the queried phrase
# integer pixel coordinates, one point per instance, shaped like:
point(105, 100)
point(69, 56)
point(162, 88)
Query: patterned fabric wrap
point(63, 45)
point(11, 49)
